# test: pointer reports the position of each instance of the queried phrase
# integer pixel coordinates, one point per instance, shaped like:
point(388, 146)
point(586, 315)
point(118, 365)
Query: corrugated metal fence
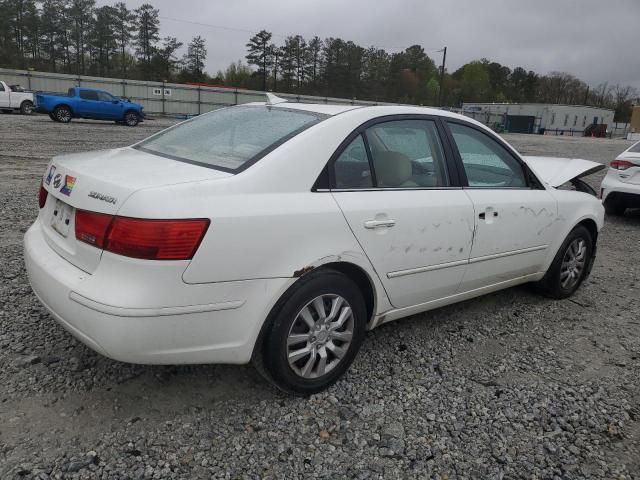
point(158, 97)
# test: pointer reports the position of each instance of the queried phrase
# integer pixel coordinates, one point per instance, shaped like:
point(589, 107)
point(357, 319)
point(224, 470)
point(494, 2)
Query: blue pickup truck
point(89, 103)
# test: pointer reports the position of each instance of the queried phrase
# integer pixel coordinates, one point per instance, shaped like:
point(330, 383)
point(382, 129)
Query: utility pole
point(444, 61)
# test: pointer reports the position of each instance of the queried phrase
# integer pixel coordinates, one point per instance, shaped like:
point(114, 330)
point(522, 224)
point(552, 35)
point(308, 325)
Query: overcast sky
point(598, 41)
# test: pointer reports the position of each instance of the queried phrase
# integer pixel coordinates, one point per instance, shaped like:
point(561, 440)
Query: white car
point(13, 97)
point(280, 233)
point(621, 187)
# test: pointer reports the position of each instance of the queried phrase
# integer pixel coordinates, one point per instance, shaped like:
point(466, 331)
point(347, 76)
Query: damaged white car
point(279, 233)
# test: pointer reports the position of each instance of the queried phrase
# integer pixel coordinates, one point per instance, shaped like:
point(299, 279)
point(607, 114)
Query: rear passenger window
point(486, 162)
point(407, 154)
point(351, 169)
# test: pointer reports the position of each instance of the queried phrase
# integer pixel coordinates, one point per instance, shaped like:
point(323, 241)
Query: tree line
point(75, 36)
point(335, 67)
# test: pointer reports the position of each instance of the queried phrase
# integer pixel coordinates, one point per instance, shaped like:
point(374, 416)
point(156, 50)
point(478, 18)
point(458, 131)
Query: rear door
point(405, 206)
point(87, 104)
point(515, 216)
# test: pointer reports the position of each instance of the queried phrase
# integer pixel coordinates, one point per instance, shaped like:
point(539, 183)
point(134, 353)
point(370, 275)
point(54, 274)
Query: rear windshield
point(230, 139)
point(635, 148)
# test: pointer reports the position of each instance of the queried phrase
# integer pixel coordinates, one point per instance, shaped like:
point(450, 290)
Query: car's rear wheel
point(26, 108)
point(52, 117)
point(63, 114)
point(131, 119)
point(570, 266)
point(314, 334)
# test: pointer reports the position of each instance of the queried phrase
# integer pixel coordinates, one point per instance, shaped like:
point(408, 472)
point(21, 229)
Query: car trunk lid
point(557, 171)
point(101, 182)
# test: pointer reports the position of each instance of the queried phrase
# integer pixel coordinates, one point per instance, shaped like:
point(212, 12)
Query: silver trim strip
point(153, 312)
point(440, 266)
point(508, 254)
point(430, 268)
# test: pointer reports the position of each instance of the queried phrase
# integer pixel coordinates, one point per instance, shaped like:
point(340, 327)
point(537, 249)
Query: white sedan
point(279, 233)
point(621, 187)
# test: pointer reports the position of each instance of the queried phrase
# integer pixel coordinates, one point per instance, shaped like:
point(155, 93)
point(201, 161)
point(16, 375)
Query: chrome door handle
point(379, 223)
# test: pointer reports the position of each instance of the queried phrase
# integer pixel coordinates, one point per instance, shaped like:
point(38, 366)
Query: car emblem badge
point(69, 182)
point(52, 170)
point(57, 180)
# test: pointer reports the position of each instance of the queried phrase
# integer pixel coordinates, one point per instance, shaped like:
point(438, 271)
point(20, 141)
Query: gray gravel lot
point(510, 385)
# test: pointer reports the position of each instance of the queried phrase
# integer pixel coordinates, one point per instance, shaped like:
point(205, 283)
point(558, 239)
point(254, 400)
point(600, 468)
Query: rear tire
point(52, 117)
point(63, 114)
point(570, 266)
point(26, 108)
point(302, 352)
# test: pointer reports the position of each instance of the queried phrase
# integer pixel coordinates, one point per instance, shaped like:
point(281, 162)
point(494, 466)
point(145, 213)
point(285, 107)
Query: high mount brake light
point(621, 164)
point(148, 239)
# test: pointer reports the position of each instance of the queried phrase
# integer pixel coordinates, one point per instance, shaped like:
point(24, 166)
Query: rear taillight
point(92, 227)
point(621, 164)
point(42, 196)
point(141, 238)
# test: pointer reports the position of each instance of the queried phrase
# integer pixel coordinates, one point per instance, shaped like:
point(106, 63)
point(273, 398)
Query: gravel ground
point(510, 385)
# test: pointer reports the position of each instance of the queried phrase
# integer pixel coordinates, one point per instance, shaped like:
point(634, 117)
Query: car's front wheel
point(315, 333)
point(63, 114)
point(570, 266)
point(131, 119)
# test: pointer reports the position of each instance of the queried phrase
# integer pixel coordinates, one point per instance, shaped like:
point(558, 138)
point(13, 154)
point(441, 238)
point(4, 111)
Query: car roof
point(375, 110)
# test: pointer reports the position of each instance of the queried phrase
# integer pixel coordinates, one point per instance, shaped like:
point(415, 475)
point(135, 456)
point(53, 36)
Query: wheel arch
point(26, 100)
point(351, 270)
point(591, 226)
point(63, 105)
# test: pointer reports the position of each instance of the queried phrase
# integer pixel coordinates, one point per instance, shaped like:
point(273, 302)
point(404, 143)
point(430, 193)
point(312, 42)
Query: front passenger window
point(486, 162)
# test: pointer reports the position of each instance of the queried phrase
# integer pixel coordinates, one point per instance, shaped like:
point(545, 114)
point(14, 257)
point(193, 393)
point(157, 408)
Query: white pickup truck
point(15, 98)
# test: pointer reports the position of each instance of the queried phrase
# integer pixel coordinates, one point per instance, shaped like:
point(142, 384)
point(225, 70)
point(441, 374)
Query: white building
point(532, 117)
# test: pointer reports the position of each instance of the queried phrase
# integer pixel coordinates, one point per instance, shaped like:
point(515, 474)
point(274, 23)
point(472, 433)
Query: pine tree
point(260, 54)
point(195, 57)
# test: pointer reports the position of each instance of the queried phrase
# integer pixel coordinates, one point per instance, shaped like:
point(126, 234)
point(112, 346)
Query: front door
point(515, 217)
point(394, 187)
point(5, 97)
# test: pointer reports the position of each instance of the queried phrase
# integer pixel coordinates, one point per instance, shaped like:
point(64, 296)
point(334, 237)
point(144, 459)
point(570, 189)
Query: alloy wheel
point(573, 263)
point(320, 336)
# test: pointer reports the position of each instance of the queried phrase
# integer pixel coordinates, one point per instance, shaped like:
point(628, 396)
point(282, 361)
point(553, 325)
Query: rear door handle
point(379, 223)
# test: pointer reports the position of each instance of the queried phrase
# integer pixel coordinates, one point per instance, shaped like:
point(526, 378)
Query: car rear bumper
point(221, 327)
point(628, 193)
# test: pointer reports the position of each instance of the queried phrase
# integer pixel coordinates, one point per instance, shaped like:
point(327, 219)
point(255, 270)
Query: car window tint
point(230, 137)
point(105, 97)
point(635, 148)
point(407, 154)
point(486, 162)
point(1, 88)
point(88, 95)
point(351, 169)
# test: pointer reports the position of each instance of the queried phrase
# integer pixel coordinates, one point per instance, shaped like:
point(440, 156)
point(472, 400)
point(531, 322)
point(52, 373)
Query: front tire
point(131, 119)
point(315, 333)
point(63, 114)
point(570, 266)
point(26, 108)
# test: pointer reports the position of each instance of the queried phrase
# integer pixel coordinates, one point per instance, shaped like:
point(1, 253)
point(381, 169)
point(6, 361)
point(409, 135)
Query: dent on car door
point(515, 217)
point(394, 187)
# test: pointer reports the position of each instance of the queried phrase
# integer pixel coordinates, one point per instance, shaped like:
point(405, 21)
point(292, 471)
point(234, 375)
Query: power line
point(246, 30)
